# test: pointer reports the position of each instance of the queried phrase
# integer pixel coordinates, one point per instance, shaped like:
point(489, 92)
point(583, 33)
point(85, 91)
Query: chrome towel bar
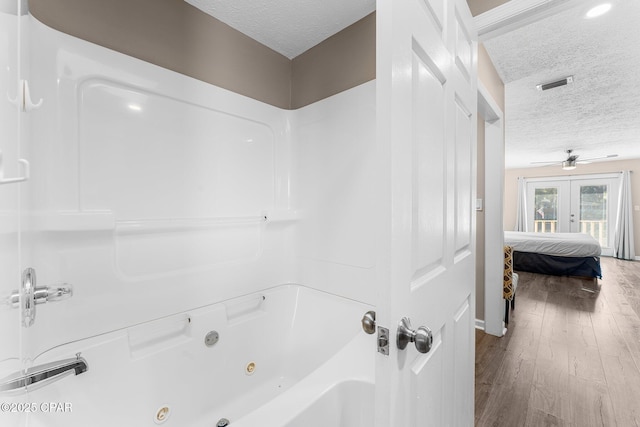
point(41, 375)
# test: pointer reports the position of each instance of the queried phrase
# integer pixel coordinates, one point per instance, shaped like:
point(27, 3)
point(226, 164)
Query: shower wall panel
point(151, 193)
point(335, 188)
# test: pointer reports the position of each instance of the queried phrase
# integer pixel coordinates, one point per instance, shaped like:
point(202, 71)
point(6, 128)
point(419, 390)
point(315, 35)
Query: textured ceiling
point(597, 115)
point(289, 27)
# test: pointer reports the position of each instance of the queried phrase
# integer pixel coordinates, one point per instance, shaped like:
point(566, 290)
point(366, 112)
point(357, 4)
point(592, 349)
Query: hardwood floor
point(569, 358)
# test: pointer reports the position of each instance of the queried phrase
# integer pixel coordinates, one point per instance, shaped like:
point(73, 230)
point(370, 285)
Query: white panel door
point(426, 89)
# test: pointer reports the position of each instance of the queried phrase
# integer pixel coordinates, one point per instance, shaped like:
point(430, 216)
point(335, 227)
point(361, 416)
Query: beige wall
point(489, 77)
point(342, 61)
point(511, 186)
point(180, 37)
point(480, 6)
point(176, 36)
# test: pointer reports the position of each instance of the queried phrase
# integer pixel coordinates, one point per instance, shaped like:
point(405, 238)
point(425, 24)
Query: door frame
point(493, 117)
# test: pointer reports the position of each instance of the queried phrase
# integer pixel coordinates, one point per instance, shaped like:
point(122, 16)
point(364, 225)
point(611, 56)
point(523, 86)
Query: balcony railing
point(597, 229)
point(545, 226)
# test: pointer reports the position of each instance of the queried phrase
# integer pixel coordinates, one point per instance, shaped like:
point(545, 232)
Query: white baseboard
point(480, 325)
point(638, 258)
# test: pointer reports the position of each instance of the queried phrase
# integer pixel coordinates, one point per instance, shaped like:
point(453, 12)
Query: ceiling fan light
point(598, 10)
point(569, 165)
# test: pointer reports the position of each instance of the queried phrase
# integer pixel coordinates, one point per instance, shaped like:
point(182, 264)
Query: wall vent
point(557, 83)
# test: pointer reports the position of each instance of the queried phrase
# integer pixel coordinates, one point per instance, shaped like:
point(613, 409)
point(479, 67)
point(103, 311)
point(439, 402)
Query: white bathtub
point(288, 356)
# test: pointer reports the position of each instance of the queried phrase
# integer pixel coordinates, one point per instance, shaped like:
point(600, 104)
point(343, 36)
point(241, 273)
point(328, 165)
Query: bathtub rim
point(365, 306)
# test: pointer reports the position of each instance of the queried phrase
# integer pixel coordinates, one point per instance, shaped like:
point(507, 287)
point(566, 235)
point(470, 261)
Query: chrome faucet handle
point(56, 292)
point(43, 294)
point(29, 296)
point(27, 300)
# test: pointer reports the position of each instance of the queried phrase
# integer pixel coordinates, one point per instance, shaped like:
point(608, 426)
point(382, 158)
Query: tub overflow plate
point(211, 338)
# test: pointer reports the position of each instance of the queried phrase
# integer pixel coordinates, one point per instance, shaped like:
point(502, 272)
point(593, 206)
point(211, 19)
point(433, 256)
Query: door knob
point(369, 322)
point(421, 337)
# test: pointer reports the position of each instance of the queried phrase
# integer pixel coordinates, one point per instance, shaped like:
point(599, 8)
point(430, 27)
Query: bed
point(558, 254)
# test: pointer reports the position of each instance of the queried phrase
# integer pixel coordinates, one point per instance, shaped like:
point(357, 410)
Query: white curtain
point(521, 212)
point(623, 245)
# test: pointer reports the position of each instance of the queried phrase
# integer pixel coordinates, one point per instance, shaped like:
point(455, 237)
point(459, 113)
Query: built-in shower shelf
point(106, 221)
point(184, 224)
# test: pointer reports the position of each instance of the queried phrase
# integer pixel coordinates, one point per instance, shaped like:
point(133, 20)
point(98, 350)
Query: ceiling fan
point(572, 160)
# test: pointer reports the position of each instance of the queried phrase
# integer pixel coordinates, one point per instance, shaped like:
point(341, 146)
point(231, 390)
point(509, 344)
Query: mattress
point(555, 244)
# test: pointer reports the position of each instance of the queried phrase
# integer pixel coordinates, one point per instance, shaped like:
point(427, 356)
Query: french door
point(586, 204)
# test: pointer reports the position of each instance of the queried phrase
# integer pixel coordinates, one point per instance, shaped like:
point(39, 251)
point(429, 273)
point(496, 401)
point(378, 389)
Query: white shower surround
point(155, 194)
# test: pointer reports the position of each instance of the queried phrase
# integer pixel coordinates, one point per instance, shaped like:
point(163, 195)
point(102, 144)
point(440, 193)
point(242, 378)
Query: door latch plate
point(383, 340)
